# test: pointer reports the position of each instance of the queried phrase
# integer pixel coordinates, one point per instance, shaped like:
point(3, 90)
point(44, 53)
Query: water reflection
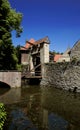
point(20, 121)
point(4, 90)
point(56, 122)
point(11, 96)
point(64, 104)
point(43, 108)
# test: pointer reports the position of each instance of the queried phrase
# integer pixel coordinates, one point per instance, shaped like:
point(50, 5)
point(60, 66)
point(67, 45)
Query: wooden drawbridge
point(32, 74)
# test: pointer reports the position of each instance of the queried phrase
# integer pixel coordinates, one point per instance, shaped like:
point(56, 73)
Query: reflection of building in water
point(12, 96)
point(45, 118)
point(65, 105)
point(47, 108)
point(34, 110)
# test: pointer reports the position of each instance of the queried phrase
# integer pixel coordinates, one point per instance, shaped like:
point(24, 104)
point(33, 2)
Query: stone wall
point(75, 51)
point(62, 75)
point(12, 78)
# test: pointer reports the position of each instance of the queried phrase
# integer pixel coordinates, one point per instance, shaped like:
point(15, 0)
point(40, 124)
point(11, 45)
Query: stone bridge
point(11, 78)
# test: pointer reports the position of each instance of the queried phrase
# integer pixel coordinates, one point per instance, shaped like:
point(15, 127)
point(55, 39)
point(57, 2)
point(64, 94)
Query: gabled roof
point(32, 42)
point(78, 42)
point(76, 45)
point(28, 45)
point(43, 40)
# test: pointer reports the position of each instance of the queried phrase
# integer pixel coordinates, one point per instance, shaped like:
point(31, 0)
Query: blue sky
point(57, 19)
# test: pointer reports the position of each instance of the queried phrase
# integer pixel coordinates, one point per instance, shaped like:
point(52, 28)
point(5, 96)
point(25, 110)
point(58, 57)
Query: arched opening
point(4, 87)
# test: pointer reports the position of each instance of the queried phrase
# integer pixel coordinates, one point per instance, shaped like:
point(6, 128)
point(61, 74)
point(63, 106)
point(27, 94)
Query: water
point(40, 108)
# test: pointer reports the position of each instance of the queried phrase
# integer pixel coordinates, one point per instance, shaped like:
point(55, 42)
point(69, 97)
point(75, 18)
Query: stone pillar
point(44, 55)
point(31, 65)
point(46, 52)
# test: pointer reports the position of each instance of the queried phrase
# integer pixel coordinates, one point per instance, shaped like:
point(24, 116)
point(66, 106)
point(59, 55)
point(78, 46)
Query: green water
point(40, 108)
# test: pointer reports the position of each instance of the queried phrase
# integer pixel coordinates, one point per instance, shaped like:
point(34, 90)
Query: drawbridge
point(32, 74)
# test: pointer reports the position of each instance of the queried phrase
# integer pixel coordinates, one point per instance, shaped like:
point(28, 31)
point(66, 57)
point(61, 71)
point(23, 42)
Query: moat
point(40, 108)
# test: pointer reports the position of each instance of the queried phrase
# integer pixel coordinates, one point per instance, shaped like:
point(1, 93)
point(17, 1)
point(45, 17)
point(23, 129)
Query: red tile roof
point(56, 57)
point(43, 40)
point(33, 42)
point(27, 45)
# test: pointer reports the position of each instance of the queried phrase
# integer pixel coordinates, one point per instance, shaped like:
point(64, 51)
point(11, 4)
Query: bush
point(2, 115)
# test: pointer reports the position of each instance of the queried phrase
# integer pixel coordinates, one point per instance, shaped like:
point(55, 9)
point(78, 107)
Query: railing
point(32, 73)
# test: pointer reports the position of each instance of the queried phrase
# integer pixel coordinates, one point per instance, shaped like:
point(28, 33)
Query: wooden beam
point(30, 43)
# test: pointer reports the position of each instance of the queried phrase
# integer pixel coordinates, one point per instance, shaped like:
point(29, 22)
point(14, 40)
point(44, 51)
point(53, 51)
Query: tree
point(9, 20)
point(18, 53)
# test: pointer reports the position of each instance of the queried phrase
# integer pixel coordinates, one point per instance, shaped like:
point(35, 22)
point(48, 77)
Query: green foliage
point(54, 52)
point(18, 54)
point(9, 20)
point(2, 115)
point(19, 67)
point(17, 57)
point(24, 67)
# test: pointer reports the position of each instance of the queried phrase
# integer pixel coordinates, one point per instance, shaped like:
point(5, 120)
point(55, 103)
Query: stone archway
point(4, 85)
point(12, 78)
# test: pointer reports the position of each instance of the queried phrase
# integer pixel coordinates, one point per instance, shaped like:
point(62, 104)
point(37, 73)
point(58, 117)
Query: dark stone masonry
point(75, 51)
point(62, 75)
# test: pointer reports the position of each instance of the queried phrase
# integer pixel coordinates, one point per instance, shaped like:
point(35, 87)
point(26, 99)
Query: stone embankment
point(62, 75)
